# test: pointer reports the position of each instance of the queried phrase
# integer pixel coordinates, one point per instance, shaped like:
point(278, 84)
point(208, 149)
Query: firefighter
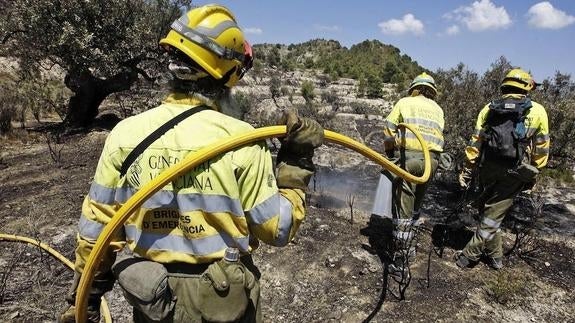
point(508, 148)
point(191, 241)
point(421, 112)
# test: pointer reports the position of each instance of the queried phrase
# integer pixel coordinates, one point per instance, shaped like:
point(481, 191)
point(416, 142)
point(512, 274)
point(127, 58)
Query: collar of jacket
point(189, 99)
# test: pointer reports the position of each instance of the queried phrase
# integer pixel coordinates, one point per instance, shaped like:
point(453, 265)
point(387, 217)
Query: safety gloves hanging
point(294, 160)
point(465, 177)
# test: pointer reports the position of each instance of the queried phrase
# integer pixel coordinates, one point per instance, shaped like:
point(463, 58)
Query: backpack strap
point(155, 135)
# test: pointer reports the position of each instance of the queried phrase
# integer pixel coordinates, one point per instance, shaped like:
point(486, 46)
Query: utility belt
point(183, 269)
point(220, 290)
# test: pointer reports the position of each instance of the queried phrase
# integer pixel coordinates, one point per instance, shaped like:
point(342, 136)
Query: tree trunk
point(89, 92)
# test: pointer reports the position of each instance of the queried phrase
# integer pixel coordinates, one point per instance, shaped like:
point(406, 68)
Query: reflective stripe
point(390, 125)
point(485, 234)
point(539, 139)
point(424, 122)
point(541, 151)
point(102, 194)
point(185, 202)
point(199, 247)
point(478, 132)
point(285, 221)
point(266, 210)
point(209, 203)
point(407, 222)
point(401, 235)
point(89, 229)
point(217, 30)
point(491, 223)
point(181, 26)
point(427, 138)
point(402, 221)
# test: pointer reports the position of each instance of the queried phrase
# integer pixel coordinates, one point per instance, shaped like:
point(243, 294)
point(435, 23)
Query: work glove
point(294, 160)
point(465, 178)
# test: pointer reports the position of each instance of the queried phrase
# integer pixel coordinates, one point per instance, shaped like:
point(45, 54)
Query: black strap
point(151, 138)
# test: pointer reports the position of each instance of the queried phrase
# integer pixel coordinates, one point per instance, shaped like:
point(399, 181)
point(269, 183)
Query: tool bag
point(145, 286)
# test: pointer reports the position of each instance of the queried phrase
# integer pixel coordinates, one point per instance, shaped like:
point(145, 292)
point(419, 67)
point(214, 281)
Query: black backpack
point(505, 132)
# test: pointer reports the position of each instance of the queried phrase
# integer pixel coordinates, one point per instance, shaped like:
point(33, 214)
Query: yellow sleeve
point(473, 149)
point(541, 141)
point(98, 208)
point(273, 215)
point(390, 127)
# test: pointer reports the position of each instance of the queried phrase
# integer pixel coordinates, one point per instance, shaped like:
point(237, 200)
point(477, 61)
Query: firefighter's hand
point(294, 160)
point(69, 316)
point(303, 134)
point(465, 178)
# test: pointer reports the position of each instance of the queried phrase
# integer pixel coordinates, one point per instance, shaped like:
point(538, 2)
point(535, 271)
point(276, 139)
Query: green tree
point(557, 95)
point(389, 71)
point(374, 86)
point(492, 78)
point(103, 46)
point(460, 96)
point(274, 57)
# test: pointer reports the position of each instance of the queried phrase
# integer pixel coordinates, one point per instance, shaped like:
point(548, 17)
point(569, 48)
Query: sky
point(538, 36)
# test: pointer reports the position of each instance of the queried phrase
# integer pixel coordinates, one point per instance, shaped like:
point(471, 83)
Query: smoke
point(339, 184)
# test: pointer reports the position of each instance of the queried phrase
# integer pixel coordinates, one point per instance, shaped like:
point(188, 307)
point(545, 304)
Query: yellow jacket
point(424, 114)
point(537, 133)
point(231, 200)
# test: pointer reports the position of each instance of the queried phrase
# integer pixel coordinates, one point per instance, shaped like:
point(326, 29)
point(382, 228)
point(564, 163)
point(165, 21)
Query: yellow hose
point(203, 155)
point(10, 237)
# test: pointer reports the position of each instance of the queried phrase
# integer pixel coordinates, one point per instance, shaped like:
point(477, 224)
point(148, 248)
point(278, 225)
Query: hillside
point(369, 60)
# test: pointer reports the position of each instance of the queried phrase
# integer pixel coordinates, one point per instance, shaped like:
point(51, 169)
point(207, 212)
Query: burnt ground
point(334, 269)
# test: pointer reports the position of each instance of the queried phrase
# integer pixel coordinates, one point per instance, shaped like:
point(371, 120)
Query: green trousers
point(500, 189)
point(408, 197)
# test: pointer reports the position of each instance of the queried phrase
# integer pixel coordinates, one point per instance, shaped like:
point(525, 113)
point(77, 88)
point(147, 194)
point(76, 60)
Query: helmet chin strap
point(226, 77)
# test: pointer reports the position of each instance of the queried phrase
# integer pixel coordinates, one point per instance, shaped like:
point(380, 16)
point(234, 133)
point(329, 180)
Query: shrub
point(560, 174)
point(505, 285)
point(329, 97)
point(307, 91)
point(275, 85)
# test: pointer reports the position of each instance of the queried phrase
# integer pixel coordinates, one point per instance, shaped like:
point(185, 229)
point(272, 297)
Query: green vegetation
point(506, 285)
point(561, 174)
point(371, 61)
point(103, 47)
point(307, 91)
point(275, 87)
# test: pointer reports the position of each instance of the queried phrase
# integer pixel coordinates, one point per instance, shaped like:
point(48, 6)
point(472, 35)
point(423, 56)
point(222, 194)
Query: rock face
point(337, 99)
